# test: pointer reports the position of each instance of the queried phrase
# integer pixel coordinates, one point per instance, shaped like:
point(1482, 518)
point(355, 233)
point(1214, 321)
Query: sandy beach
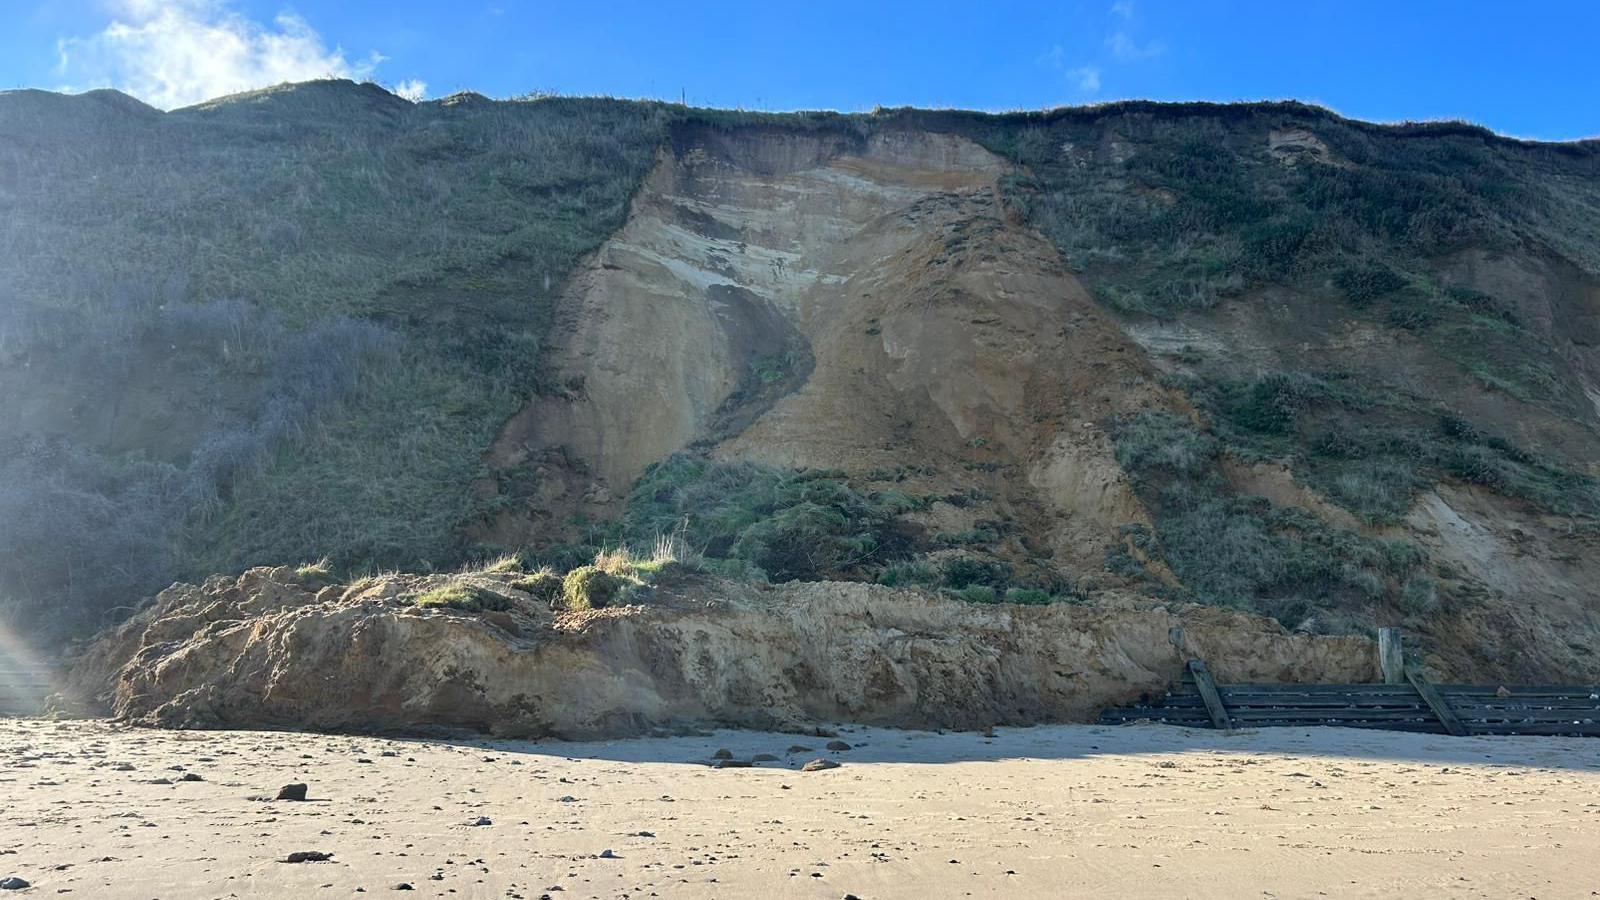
point(96, 810)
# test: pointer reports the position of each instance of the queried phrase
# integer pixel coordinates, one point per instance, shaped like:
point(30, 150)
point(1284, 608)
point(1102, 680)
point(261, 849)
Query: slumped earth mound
point(266, 649)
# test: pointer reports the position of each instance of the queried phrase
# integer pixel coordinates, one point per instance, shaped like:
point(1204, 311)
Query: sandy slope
point(1042, 812)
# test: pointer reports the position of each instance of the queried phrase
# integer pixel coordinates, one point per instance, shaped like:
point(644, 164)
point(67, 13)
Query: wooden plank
point(1235, 701)
point(1208, 692)
point(1352, 689)
point(1549, 729)
point(1328, 715)
point(1518, 690)
point(1531, 715)
point(1391, 661)
point(1465, 710)
point(1447, 716)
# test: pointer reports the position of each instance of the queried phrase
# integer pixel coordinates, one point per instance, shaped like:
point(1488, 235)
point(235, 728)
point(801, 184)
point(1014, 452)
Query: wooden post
point(1441, 708)
point(1209, 695)
point(1391, 661)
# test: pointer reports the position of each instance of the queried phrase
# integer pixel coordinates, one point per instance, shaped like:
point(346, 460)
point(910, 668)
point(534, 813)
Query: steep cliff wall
point(853, 302)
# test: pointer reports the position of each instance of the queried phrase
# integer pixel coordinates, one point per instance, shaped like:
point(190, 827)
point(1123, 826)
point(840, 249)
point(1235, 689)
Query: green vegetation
point(465, 597)
point(1367, 448)
point(1196, 206)
point(544, 585)
point(590, 587)
point(314, 574)
point(770, 523)
point(1242, 551)
point(444, 230)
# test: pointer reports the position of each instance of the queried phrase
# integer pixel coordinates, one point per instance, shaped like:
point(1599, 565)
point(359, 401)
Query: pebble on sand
point(13, 883)
point(818, 765)
point(292, 792)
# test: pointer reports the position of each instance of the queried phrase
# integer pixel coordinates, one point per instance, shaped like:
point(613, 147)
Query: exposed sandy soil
point(1055, 811)
point(263, 650)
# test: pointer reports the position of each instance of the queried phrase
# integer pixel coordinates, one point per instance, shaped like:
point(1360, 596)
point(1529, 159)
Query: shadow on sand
point(870, 745)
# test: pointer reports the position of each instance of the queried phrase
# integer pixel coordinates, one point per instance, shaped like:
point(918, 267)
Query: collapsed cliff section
point(856, 300)
point(265, 649)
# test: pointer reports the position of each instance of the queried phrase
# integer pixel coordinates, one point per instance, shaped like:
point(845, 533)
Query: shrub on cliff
point(544, 585)
point(590, 587)
point(791, 525)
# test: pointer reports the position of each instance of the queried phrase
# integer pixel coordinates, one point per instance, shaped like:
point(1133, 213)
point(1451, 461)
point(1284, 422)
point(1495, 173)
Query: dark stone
point(818, 765)
point(292, 792)
point(304, 856)
point(724, 753)
point(13, 884)
point(838, 745)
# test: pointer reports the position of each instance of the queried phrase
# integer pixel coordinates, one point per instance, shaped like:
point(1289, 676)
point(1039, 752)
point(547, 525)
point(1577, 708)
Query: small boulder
point(818, 765)
point(724, 753)
point(13, 883)
point(291, 792)
point(608, 854)
point(764, 757)
point(305, 856)
point(838, 745)
point(799, 748)
point(481, 820)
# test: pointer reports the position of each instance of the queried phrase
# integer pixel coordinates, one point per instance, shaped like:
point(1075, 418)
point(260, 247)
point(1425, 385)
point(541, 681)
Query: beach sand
point(90, 809)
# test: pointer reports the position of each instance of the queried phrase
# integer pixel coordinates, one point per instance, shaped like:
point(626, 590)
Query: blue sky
point(1531, 70)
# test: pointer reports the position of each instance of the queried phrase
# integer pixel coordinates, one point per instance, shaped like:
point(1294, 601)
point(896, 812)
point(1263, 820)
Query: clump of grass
point(501, 565)
point(314, 574)
point(1029, 596)
point(906, 574)
point(465, 597)
point(543, 584)
point(976, 593)
point(590, 587)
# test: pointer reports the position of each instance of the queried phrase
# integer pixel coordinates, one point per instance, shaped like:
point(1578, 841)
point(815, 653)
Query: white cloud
point(1126, 49)
point(1086, 78)
point(172, 53)
point(1123, 8)
point(413, 89)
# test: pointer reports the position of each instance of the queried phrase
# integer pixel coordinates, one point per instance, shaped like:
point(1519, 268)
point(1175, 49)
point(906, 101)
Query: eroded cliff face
point(263, 650)
point(817, 300)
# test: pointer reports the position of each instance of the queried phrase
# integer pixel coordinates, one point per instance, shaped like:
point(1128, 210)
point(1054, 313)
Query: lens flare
point(25, 678)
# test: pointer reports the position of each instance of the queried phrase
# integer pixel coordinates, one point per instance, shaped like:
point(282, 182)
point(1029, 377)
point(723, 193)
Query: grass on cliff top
point(1189, 209)
point(464, 597)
